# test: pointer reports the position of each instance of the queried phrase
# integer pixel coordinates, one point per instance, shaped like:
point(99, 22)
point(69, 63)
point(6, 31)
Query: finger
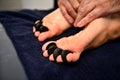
point(70, 9)
point(97, 12)
point(79, 1)
point(75, 4)
point(66, 15)
point(72, 12)
point(67, 9)
point(82, 12)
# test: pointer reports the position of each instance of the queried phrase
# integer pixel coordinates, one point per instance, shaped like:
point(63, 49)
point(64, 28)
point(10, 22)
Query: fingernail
point(80, 24)
point(75, 25)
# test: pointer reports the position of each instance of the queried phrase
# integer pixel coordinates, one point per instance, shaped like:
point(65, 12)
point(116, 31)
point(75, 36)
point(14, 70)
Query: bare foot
point(55, 23)
point(95, 34)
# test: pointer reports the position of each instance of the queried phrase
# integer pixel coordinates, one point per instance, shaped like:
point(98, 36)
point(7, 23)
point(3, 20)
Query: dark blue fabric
point(102, 63)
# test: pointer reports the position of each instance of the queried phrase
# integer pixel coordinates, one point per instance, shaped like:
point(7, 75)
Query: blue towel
point(102, 63)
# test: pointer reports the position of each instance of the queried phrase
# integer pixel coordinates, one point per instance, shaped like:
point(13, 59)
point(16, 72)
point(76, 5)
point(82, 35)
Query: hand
point(91, 9)
point(69, 9)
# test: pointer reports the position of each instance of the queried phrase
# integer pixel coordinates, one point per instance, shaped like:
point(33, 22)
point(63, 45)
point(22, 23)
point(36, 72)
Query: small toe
point(45, 54)
point(70, 57)
point(34, 29)
point(59, 59)
point(37, 33)
point(51, 57)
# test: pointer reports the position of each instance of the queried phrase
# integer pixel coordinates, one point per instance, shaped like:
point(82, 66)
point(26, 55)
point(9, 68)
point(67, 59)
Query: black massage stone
point(51, 47)
point(51, 44)
point(40, 27)
point(64, 54)
point(43, 29)
point(56, 53)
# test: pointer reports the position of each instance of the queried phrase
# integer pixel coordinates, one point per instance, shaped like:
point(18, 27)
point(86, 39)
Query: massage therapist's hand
point(91, 9)
point(87, 10)
point(69, 9)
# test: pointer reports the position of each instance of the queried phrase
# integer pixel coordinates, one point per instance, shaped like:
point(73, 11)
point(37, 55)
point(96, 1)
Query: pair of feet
point(93, 35)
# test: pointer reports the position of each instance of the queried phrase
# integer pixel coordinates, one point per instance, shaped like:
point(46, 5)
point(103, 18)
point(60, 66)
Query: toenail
point(64, 54)
point(50, 48)
point(56, 53)
point(40, 27)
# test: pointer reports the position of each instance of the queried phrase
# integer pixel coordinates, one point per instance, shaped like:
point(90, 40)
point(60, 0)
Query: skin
point(82, 12)
point(53, 22)
point(96, 33)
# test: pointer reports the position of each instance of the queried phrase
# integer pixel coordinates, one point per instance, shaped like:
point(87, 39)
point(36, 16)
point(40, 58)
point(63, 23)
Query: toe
point(69, 57)
point(44, 36)
point(34, 29)
point(37, 33)
point(59, 59)
point(51, 57)
point(45, 54)
point(73, 57)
